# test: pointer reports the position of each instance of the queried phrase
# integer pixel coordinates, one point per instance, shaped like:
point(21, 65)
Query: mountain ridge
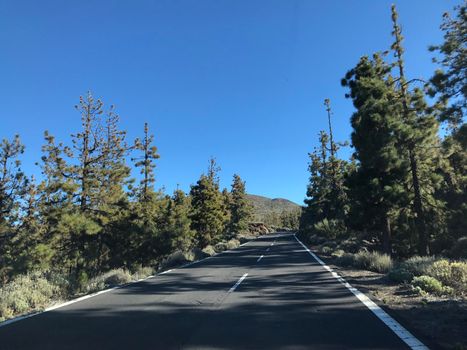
point(264, 208)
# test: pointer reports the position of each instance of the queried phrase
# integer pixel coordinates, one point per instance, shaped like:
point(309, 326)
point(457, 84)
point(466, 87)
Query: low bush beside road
point(450, 274)
point(36, 291)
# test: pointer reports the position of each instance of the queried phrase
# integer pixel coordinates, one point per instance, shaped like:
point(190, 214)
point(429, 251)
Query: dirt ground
point(441, 323)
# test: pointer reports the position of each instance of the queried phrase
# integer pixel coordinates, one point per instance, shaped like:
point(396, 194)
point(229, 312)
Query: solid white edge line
point(58, 306)
point(238, 283)
point(395, 326)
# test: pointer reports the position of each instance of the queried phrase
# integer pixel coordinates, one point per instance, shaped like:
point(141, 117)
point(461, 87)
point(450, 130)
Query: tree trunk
point(418, 208)
point(387, 233)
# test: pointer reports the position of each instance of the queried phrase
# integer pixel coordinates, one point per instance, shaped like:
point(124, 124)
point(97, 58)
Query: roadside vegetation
point(87, 224)
point(424, 274)
point(399, 205)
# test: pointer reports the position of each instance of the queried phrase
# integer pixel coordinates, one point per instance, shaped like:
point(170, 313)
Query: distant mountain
point(264, 208)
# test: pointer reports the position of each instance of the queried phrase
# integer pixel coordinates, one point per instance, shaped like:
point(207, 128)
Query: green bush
point(400, 275)
point(209, 250)
point(453, 274)
point(26, 293)
point(143, 272)
point(373, 261)
point(233, 243)
point(330, 228)
point(351, 245)
point(107, 280)
point(441, 270)
point(220, 247)
point(418, 265)
point(459, 275)
point(175, 259)
point(429, 284)
point(337, 253)
point(347, 259)
point(325, 249)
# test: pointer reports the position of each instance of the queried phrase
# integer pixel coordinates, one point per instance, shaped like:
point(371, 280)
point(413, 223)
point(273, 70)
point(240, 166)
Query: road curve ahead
point(267, 294)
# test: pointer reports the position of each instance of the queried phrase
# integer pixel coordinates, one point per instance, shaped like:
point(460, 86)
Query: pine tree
point(12, 180)
point(13, 185)
point(88, 151)
point(336, 169)
point(451, 83)
point(32, 249)
point(207, 214)
point(115, 170)
point(240, 208)
point(226, 209)
point(113, 200)
point(150, 209)
point(180, 236)
point(453, 169)
point(318, 190)
point(378, 184)
point(56, 201)
point(146, 163)
point(418, 136)
point(326, 196)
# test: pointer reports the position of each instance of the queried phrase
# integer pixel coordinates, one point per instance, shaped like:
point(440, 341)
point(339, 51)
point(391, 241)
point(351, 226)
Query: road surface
point(267, 294)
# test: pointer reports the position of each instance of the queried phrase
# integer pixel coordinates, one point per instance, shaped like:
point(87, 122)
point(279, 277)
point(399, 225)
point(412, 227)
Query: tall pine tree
point(240, 208)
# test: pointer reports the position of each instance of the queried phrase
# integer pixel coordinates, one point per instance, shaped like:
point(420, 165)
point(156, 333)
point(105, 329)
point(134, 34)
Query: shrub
point(330, 228)
point(61, 280)
point(347, 259)
point(337, 253)
point(373, 261)
point(459, 276)
point(400, 275)
point(117, 277)
point(452, 274)
point(220, 247)
point(26, 293)
point(209, 250)
point(233, 243)
point(109, 279)
point(418, 265)
point(351, 245)
point(174, 259)
point(429, 284)
point(325, 249)
point(143, 272)
point(196, 254)
point(441, 270)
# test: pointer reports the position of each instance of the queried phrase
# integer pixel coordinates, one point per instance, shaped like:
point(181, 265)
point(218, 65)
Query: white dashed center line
point(238, 283)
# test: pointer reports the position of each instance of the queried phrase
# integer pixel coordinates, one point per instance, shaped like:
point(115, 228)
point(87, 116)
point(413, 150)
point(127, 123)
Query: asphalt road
point(286, 301)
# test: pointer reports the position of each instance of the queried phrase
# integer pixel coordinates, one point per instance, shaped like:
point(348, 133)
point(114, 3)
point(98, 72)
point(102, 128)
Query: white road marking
point(238, 283)
point(259, 258)
point(395, 326)
point(267, 250)
point(57, 306)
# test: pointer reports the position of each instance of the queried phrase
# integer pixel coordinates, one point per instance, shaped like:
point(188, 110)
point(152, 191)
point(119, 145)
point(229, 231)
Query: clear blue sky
point(243, 81)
